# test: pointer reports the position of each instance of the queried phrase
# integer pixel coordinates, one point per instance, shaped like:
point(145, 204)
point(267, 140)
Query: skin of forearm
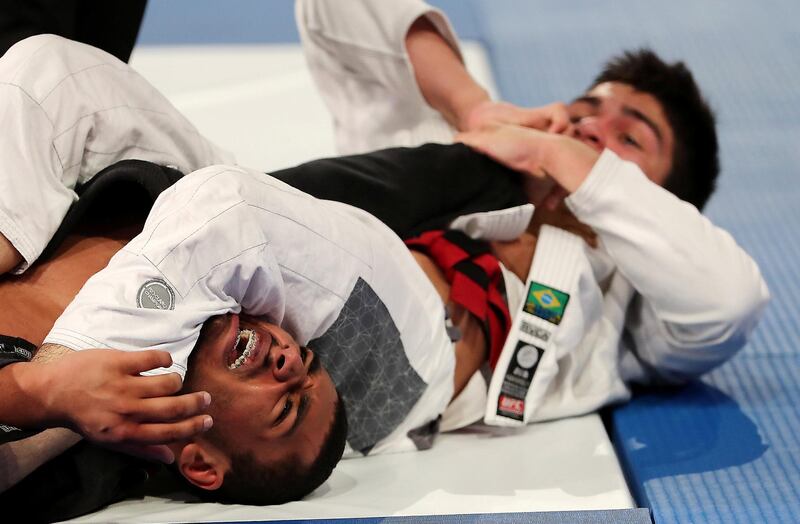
point(23, 388)
point(19, 459)
point(567, 161)
point(470, 350)
point(443, 80)
point(9, 256)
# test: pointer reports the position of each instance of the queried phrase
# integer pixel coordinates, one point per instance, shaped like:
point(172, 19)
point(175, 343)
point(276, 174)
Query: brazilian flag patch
point(546, 303)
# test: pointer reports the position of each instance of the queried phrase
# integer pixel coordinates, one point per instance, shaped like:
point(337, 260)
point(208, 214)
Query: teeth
point(252, 339)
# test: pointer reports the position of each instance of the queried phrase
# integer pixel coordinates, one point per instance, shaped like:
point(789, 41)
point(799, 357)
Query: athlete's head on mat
point(279, 425)
point(653, 114)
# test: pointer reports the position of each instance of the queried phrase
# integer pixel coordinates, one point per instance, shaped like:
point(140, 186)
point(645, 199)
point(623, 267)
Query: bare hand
point(552, 118)
point(550, 161)
point(100, 394)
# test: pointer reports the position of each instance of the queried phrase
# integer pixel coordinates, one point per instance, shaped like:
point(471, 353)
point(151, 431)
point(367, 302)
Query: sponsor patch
point(511, 406)
point(155, 294)
point(546, 303)
point(534, 331)
point(517, 382)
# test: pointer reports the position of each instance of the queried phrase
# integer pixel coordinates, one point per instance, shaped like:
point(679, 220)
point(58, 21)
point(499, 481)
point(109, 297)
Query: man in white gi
point(635, 320)
point(587, 322)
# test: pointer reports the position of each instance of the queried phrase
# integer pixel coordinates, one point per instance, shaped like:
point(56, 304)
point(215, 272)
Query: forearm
point(691, 273)
point(411, 188)
point(24, 389)
point(20, 458)
point(442, 78)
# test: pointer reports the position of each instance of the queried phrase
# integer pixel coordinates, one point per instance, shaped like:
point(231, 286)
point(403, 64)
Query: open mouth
point(244, 348)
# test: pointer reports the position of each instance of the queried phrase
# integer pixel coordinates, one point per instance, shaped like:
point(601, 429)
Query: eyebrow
point(626, 110)
point(586, 99)
point(635, 113)
point(302, 410)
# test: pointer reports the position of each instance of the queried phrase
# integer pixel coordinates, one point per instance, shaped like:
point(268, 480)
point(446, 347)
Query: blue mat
point(177, 22)
point(725, 449)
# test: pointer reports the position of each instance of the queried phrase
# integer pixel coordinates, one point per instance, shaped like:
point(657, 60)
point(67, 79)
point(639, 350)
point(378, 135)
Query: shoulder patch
point(155, 294)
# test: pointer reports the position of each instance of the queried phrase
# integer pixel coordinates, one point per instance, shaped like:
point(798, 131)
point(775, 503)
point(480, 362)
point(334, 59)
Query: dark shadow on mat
point(666, 432)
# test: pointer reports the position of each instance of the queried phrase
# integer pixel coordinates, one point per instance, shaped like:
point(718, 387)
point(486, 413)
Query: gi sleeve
point(202, 253)
point(411, 189)
point(33, 199)
point(68, 111)
point(700, 293)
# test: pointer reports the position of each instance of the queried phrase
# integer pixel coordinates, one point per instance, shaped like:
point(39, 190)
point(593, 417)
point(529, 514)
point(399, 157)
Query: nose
point(589, 131)
point(287, 366)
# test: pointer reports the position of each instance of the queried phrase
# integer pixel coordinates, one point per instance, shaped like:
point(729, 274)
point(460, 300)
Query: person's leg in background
point(357, 55)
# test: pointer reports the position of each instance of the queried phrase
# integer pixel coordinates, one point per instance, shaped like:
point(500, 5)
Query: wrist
point(465, 105)
point(568, 161)
point(33, 401)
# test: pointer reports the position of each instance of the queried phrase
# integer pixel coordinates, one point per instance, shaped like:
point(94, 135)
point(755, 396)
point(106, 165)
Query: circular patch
point(527, 356)
point(155, 294)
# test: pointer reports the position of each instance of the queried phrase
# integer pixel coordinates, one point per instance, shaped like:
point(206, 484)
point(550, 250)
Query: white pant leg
point(357, 57)
point(69, 110)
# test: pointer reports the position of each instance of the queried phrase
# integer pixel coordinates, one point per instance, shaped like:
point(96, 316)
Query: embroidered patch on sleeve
point(546, 303)
point(155, 294)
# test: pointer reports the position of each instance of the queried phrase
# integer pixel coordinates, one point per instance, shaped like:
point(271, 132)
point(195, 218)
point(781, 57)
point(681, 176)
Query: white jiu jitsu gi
point(666, 296)
point(68, 111)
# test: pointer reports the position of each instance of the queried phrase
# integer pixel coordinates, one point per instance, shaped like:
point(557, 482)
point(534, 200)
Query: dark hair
point(695, 161)
point(252, 482)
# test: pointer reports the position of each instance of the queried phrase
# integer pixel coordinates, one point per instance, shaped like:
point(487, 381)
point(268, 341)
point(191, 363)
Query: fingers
point(163, 433)
point(166, 409)
point(516, 147)
point(144, 386)
point(134, 362)
point(559, 118)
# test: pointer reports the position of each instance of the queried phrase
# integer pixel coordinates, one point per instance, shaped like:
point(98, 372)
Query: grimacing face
point(632, 124)
point(270, 396)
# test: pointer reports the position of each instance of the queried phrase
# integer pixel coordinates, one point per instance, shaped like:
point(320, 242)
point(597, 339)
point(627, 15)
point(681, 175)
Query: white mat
point(257, 101)
point(563, 465)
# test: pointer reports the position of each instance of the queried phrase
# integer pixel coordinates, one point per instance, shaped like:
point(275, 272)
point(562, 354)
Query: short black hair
point(251, 482)
point(695, 159)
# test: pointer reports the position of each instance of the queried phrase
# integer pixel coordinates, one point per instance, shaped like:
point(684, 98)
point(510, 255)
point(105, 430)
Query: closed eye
point(630, 141)
point(287, 408)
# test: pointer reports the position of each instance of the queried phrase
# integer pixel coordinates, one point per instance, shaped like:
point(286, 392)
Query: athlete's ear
point(203, 464)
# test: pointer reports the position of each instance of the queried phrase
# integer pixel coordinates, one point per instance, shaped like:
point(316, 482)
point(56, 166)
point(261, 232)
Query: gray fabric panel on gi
point(365, 357)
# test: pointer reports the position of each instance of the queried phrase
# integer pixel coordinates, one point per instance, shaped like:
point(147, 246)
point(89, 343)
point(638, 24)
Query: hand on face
point(100, 394)
point(550, 159)
point(499, 130)
point(552, 118)
point(486, 116)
